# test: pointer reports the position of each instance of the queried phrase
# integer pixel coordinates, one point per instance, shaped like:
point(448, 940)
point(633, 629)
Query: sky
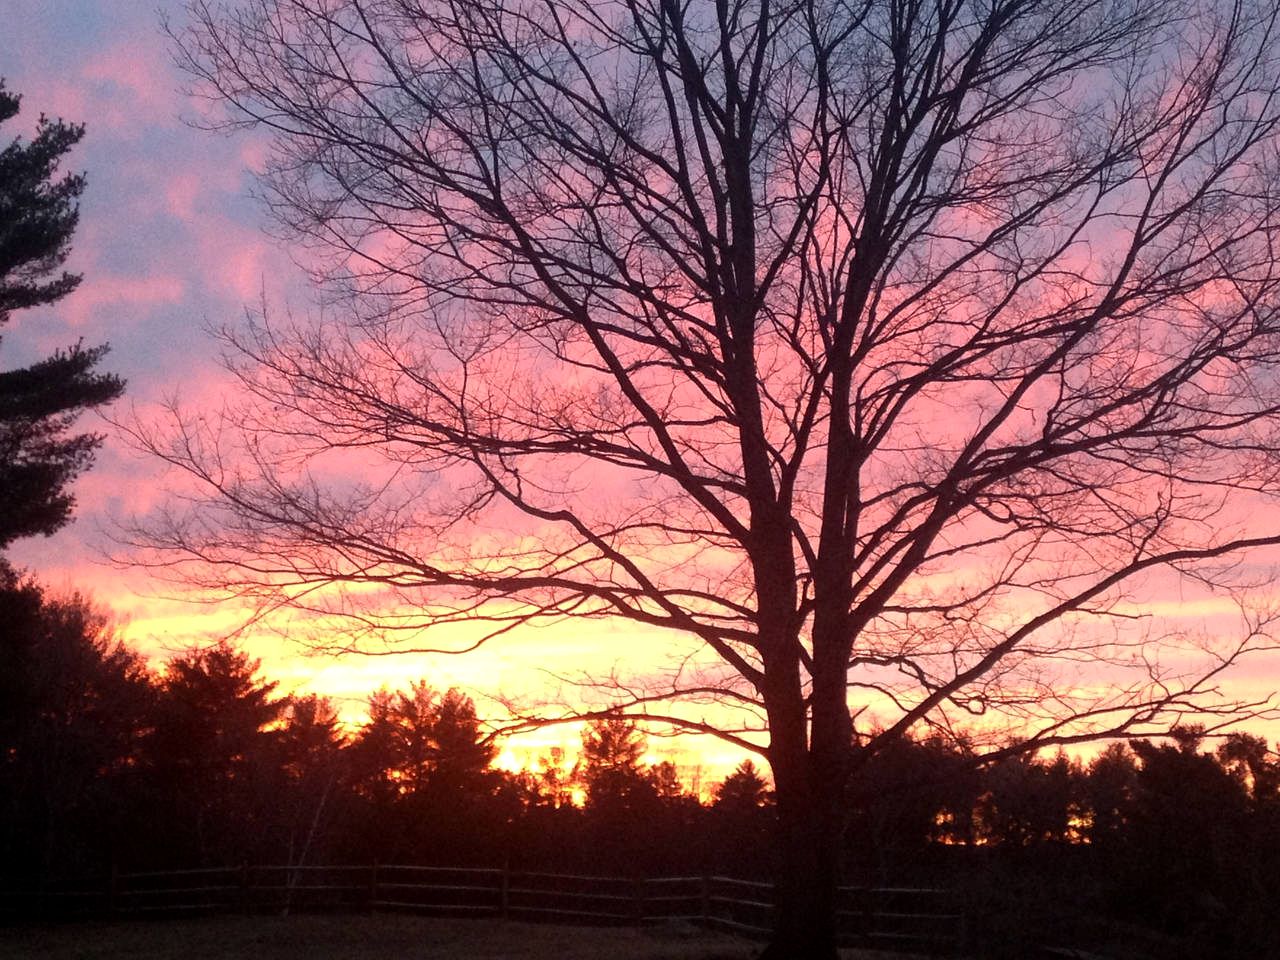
point(171, 243)
point(168, 239)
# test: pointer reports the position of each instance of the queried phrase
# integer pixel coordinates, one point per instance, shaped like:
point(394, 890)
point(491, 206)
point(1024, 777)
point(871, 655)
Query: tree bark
point(809, 751)
point(807, 873)
point(809, 783)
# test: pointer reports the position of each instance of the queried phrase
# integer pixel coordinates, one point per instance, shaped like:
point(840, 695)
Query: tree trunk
point(808, 837)
point(809, 773)
point(805, 893)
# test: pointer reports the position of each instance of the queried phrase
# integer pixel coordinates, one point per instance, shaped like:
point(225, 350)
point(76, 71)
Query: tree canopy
point(75, 705)
point(420, 739)
point(39, 211)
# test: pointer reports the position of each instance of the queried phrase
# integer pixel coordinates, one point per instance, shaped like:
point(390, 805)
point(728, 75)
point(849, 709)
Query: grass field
point(382, 937)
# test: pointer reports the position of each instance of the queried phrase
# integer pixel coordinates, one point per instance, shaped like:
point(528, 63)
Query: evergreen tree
point(462, 754)
point(553, 785)
point(312, 738)
point(39, 457)
point(1109, 792)
point(309, 773)
point(744, 790)
point(420, 738)
point(615, 781)
point(741, 817)
point(413, 716)
point(1028, 800)
point(374, 755)
point(214, 753)
point(72, 701)
point(37, 214)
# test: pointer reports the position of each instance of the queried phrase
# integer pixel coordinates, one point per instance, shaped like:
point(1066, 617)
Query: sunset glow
point(806, 469)
point(172, 245)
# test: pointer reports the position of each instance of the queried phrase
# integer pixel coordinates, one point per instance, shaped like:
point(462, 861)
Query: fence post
point(373, 886)
point(113, 889)
point(704, 896)
point(504, 890)
point(244, 888)
point(639, 905)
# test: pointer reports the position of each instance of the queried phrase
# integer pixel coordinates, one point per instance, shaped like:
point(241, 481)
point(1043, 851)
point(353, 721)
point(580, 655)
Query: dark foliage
point(38, 213)
point(39, 457)
point(210, 755)
point(74, 704)
point(104, 763)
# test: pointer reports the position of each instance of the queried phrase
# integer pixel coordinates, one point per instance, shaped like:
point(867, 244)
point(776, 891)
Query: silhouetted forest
point(106, 764)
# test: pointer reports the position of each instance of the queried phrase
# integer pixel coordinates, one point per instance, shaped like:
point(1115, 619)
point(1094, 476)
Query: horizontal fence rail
point(914, 917)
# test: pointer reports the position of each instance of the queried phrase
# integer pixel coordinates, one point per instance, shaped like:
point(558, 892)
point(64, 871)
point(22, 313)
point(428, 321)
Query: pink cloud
point(181, 193)
point(201, 186)
point(52, 98)
point(242, 269)
point(130, 68)
point(253, 154)
point(86, 304)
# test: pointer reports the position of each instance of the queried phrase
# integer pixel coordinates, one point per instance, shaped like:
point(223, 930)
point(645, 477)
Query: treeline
point(1180, 836)
point(106, 764)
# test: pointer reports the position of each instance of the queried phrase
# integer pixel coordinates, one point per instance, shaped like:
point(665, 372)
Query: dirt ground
point(381, 937)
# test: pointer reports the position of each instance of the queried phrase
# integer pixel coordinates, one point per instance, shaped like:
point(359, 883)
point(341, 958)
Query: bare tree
point(891, 354)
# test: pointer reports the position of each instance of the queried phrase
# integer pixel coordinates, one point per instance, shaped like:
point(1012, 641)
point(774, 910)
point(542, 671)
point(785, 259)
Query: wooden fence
point(920, 918)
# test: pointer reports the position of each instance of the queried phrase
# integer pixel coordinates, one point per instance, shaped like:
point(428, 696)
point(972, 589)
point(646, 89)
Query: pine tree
point(743, 791)
point(39, 457)
point(462, 754)
point(612, 773)
point(213, 754)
